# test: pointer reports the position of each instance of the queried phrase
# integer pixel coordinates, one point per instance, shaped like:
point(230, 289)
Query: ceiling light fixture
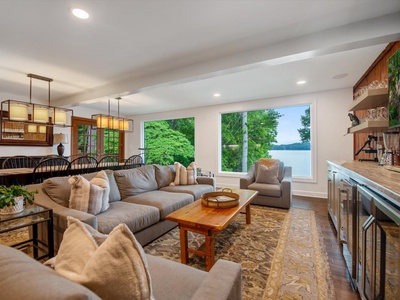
point(217, 95)
point(301, 82)
point(108, 121)
point(80, 13)
point(32, 113)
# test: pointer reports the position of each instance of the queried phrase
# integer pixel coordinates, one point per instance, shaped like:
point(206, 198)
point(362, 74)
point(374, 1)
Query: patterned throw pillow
point(113, 266)
point(90, 196)
point(267, 175)
point(185, 176)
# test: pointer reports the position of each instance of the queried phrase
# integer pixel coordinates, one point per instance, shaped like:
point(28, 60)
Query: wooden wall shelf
point(369, 126)
point(371, 99)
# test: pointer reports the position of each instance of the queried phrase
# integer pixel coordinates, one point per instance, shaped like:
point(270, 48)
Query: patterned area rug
point(300, 268)
point(274, 238)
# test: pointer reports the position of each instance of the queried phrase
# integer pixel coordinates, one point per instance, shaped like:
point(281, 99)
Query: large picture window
point(281, 133)
point(169, 141)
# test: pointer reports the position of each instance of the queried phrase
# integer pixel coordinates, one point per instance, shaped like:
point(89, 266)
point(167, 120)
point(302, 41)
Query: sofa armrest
point(207, 180)
point(224, 281)
point(60, 214)
point(286, 186)
point(43, 199)
point(248, 179)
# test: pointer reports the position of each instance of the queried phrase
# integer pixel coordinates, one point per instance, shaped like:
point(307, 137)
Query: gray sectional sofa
point(22, 277)
point(140, 197)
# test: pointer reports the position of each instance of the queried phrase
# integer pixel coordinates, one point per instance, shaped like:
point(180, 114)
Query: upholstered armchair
point(275, 192)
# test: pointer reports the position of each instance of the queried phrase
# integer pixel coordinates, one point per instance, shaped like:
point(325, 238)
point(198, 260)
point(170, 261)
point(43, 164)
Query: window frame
point(313, 142)
point(77, 121)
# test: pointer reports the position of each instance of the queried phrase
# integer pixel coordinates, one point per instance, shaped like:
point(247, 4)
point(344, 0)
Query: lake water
point(299, 160)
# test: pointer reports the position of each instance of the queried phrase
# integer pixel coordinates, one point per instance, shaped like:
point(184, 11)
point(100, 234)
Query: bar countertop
point(370, 173)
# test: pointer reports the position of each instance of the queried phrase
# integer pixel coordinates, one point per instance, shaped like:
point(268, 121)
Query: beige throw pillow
point(267, 175)
point(90, 196)
point(185, 176)
point(113, 266)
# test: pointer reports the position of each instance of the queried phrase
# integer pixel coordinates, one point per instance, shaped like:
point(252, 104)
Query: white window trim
point(313, 145)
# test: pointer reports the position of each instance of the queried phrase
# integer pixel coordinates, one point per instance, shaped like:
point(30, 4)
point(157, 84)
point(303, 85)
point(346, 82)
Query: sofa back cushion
point(164, 175)
point(136, 181)
point(59, 190)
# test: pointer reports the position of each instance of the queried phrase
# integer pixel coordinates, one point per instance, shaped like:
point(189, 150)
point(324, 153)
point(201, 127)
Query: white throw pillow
point(185, 176)
point(113, 266)
point(90, 196)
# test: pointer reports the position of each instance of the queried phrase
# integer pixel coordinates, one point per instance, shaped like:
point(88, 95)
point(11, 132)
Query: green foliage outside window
point(305, 131)
point(247, 136)
point(169, 141)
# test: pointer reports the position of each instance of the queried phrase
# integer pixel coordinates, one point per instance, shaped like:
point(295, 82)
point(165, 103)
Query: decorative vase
point(14, 209)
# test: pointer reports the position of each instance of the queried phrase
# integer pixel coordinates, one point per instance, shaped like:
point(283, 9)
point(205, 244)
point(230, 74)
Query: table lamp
point(60, 138)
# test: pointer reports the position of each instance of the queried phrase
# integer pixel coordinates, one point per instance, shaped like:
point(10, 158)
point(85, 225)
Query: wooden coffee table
point(208, 221)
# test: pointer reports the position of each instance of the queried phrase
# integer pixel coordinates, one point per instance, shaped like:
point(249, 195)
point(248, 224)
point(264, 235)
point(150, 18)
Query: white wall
point(331, 143)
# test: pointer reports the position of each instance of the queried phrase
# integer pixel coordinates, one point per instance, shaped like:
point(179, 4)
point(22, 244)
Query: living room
point(348, 46)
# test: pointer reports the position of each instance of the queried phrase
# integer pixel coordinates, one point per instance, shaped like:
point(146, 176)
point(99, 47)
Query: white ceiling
point(165, 55)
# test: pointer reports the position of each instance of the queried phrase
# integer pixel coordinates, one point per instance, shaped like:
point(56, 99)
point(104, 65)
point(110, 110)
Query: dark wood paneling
point(377, 71)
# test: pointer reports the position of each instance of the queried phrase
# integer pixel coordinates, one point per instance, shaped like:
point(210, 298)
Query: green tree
point(166, 144)
point(261, 132)
point(305, 131)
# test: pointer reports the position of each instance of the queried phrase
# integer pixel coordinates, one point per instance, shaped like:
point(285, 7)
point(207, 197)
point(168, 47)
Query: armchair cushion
point(266, 174)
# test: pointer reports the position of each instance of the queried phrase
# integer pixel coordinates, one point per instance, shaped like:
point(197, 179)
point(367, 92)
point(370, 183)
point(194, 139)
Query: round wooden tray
point(220, 199)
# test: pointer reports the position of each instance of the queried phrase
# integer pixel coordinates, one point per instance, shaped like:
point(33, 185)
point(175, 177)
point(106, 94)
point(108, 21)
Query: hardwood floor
point(340, 275)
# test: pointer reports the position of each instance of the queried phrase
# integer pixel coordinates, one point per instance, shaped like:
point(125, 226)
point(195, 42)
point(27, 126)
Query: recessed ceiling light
point(338, 76)
point(301, 82)
point(80, 13)
point(217, 95)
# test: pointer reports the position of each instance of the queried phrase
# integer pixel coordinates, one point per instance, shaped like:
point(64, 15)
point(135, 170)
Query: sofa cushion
point(59, 190)
point(184, 282)
point(272, 190)
point(90, 196)
point(166, 202)
point(135, 216)
point(22, 278)
point(115, 269)
point(136, 181)
point(164, 175)
point(196, 190)
point(268, 175)
point(185, 176)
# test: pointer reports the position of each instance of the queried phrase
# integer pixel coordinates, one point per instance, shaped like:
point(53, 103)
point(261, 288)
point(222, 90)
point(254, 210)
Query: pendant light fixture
point(39, 114)
point(112, 122)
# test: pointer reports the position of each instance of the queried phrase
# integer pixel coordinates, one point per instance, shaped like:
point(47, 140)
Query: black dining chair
point(83, 164)
point(19, 161)
point(108, 162)
point(134, 161)
point(50, 167)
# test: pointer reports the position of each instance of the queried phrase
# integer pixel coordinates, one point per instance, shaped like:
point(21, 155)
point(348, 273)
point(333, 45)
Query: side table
point(30, 217)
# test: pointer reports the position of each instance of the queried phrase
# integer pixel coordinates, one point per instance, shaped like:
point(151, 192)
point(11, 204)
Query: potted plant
point(12, 198)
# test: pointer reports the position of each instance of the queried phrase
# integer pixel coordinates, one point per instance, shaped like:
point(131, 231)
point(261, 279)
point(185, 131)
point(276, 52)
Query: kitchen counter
point(372, 174)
